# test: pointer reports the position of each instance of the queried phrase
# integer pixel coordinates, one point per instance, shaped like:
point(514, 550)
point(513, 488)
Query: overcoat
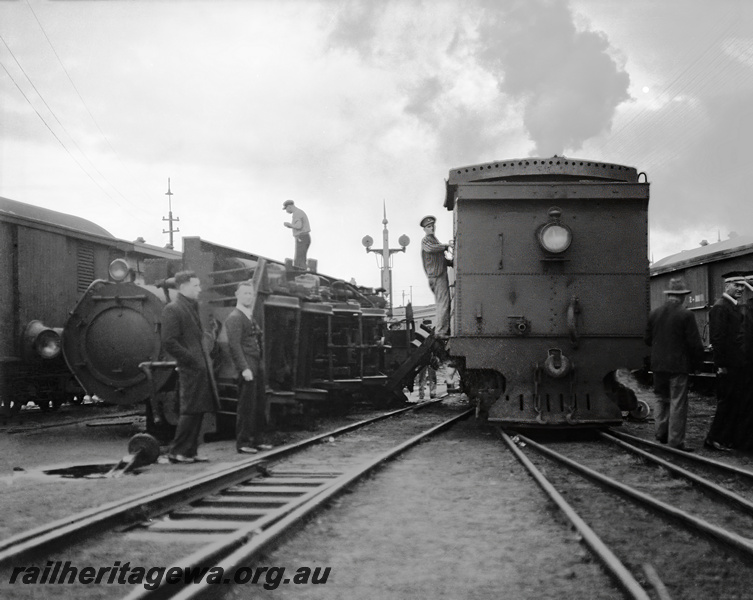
point(726, 334)
point(182, 338)
point(672, 333)
point(748, 336)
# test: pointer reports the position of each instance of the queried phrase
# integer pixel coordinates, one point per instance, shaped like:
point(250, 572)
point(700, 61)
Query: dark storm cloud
point(569, 83)
point(562, 80)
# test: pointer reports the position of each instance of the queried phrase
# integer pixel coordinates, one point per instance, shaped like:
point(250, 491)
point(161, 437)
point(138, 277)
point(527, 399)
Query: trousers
point(302, 243)
point(427, 375)
point(729, 393)
point(672, 413)
point(441, 287)
point(186, 440)
point(250, 420)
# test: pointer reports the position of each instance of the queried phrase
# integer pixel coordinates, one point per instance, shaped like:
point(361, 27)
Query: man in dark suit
point(676, 351)
point(245, 343)
point(726, 335)
point(183, 339)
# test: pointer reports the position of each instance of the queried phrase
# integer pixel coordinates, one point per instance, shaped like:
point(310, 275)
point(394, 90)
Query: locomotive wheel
point(642, 411)
point(147, 448)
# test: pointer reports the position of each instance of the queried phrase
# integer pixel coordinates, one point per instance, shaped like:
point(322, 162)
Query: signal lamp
point(118, 269)
point(553, 236)
point(367, 241)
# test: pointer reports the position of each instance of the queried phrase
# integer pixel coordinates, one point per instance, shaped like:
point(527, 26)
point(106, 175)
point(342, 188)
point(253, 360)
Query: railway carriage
point(47, 260)
point(551, 293)
point(702, 269)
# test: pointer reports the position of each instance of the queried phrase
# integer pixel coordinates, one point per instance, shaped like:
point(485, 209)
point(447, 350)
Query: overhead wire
point(80, 97)
point(619, 143)
point(679, 125)
point(55, 135)
point(52, 112)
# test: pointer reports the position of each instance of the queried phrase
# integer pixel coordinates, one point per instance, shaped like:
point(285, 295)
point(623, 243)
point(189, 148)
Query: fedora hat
point(677, 287)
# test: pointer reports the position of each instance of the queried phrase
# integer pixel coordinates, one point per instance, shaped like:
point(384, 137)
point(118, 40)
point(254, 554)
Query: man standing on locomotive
point(726, 335)
point(245, 343)
point(183, 339)
point(676, 351)
point(435, 267)
point(301, 231)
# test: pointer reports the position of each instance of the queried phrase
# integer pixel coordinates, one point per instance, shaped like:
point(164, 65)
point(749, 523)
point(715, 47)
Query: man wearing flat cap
point(435, 267)
point(301, 232)
point(676, 351)
point(726, 336)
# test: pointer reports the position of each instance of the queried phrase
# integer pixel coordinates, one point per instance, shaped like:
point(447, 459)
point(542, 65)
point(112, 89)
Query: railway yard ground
point(455, 517)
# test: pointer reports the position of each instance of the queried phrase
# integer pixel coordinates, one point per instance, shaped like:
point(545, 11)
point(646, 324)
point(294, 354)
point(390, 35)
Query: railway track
point(73, 415)
point(224, 518)
point(706, 503)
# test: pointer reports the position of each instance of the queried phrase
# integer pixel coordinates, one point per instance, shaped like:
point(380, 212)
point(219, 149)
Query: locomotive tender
point(551, 288)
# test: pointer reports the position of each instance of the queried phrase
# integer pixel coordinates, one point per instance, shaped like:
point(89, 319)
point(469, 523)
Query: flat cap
point(287, 203)
point(734, 277)
point(428, 220)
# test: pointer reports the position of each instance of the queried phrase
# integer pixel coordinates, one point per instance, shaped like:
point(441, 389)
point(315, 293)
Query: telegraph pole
point(386, 253)
point(170, 218)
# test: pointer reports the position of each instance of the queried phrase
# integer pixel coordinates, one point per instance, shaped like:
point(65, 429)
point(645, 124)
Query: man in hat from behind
point(435, 267)
point(301, 232)
point(676, 351)
point(726, 336)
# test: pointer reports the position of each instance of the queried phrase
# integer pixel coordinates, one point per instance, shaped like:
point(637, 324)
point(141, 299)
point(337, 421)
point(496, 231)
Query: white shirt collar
point(244, 310)
point(730, 298)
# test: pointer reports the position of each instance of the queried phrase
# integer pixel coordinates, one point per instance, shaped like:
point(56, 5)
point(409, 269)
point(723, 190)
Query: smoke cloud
point(484, 73)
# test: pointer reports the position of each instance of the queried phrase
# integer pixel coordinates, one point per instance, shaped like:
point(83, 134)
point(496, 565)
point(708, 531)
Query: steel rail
point(614, 566)
point(741, 545)
point(247, 541)
point(31, 428)
point(717, 464)
point(731, 497)
point(158, 501)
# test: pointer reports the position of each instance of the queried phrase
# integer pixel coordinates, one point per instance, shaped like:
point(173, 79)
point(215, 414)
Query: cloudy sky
point(348, 106)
